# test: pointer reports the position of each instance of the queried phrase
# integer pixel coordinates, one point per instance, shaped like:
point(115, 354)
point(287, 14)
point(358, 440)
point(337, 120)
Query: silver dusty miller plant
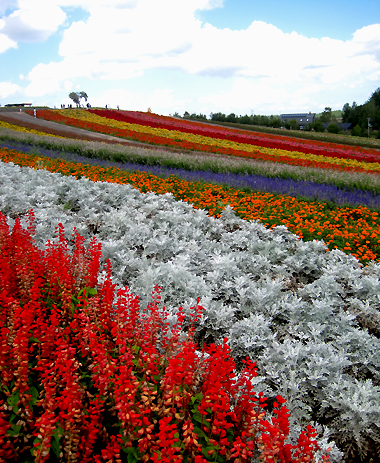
point(297, 310)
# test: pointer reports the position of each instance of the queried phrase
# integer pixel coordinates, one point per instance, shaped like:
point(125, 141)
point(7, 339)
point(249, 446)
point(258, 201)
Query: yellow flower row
point(177, 135)
point(6, 125)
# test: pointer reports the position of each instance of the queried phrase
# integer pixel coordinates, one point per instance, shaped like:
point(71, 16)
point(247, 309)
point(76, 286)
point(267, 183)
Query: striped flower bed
point(355, 231)
point(89, 121)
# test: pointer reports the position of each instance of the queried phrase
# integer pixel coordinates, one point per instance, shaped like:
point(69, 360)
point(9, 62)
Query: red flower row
point(85, 379)
point(239, 136)
point(163, 141)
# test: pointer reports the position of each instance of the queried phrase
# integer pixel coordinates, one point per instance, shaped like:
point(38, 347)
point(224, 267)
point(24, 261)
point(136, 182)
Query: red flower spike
point(104, 357)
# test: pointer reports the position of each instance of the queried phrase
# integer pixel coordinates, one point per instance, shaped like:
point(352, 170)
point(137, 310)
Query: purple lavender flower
point(296, 188)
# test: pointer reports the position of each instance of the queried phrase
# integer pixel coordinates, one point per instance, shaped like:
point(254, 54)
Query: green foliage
point(359, 114)
point(77, 96)
point(333, 128)
point(231, 117)
point(265, 121)
point(357, 131)
point(194, 116)
point(326, 115)
point(292, 124)
point(318, 126)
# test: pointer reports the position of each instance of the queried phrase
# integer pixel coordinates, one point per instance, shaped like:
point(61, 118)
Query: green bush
point(357, 131)
point(318, 126)
point(333, 128)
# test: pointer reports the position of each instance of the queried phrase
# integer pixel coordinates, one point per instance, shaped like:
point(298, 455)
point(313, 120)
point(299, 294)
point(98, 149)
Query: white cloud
point(147, 37)
point(122, 39)
point(164, 99)
point(8, 89)
point(41, 88)
point(34, 20)
point(68, 85)
point(6, 43)
point(90, 4)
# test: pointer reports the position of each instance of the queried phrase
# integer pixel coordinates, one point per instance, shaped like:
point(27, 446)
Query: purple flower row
point(301, 189)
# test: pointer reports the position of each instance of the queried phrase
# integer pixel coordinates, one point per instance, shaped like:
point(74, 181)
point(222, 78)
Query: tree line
point(270, 121)
point(364, 116)
point(255, 119)
point(358, 115)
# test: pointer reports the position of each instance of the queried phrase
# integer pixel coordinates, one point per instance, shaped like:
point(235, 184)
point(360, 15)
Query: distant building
point(302, 119)
point(341, 125)
point(18, 104)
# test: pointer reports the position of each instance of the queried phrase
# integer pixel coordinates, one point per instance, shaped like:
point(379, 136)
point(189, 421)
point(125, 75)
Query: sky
point(201, 56)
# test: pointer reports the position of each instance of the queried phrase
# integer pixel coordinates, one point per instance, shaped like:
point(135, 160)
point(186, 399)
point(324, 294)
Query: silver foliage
point(295, 308)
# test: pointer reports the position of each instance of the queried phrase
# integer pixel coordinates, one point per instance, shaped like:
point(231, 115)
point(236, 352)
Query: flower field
point(240, 136)
point(6, 125)
point(353, 230)
point(364, 160)
point(292, 283)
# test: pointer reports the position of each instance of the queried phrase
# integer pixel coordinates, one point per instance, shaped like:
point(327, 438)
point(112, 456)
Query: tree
point(245, 120)
point(77, 96)
point(275, 122)
point(318, 126)
point(231, 117)
point(346, 112)
point(332, 128)
point(218, 117)
point(359, 114)
point(326, 115)
point(292, 124)
point(356, 131)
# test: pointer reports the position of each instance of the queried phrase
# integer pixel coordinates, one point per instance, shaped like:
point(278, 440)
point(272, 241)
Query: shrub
point(333, 128)
point(357, 131)
point(318, 126)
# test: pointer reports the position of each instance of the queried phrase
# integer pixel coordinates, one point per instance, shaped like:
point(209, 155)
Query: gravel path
point(26, 120)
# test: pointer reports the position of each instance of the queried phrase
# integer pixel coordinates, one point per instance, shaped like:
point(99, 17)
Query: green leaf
point(197, 416)
point(14, 430)
point(55, 443)
point(13, 399)
point(34, 393)
point(74, 303)
point(206, 449)
point(199, 432)
point(136, 349)
point(132, 454)
point(91, 291)
point(3, 387)
point(36, 441)
point(197, 397)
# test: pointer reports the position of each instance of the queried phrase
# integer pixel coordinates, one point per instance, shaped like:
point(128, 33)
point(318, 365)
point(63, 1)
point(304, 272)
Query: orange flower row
point(355, 231)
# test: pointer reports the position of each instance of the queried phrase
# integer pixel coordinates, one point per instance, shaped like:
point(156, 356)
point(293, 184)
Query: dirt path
point(31, 122)
point(26, 120)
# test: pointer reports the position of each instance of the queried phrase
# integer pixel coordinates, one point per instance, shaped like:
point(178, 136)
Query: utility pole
point(369, 125)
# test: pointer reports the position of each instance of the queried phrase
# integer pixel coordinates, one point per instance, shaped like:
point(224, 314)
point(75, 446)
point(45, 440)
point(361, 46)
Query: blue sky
point(202, 56)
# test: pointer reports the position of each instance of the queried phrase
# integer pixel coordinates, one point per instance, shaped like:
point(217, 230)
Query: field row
point(352, 230)
point(359, 162)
